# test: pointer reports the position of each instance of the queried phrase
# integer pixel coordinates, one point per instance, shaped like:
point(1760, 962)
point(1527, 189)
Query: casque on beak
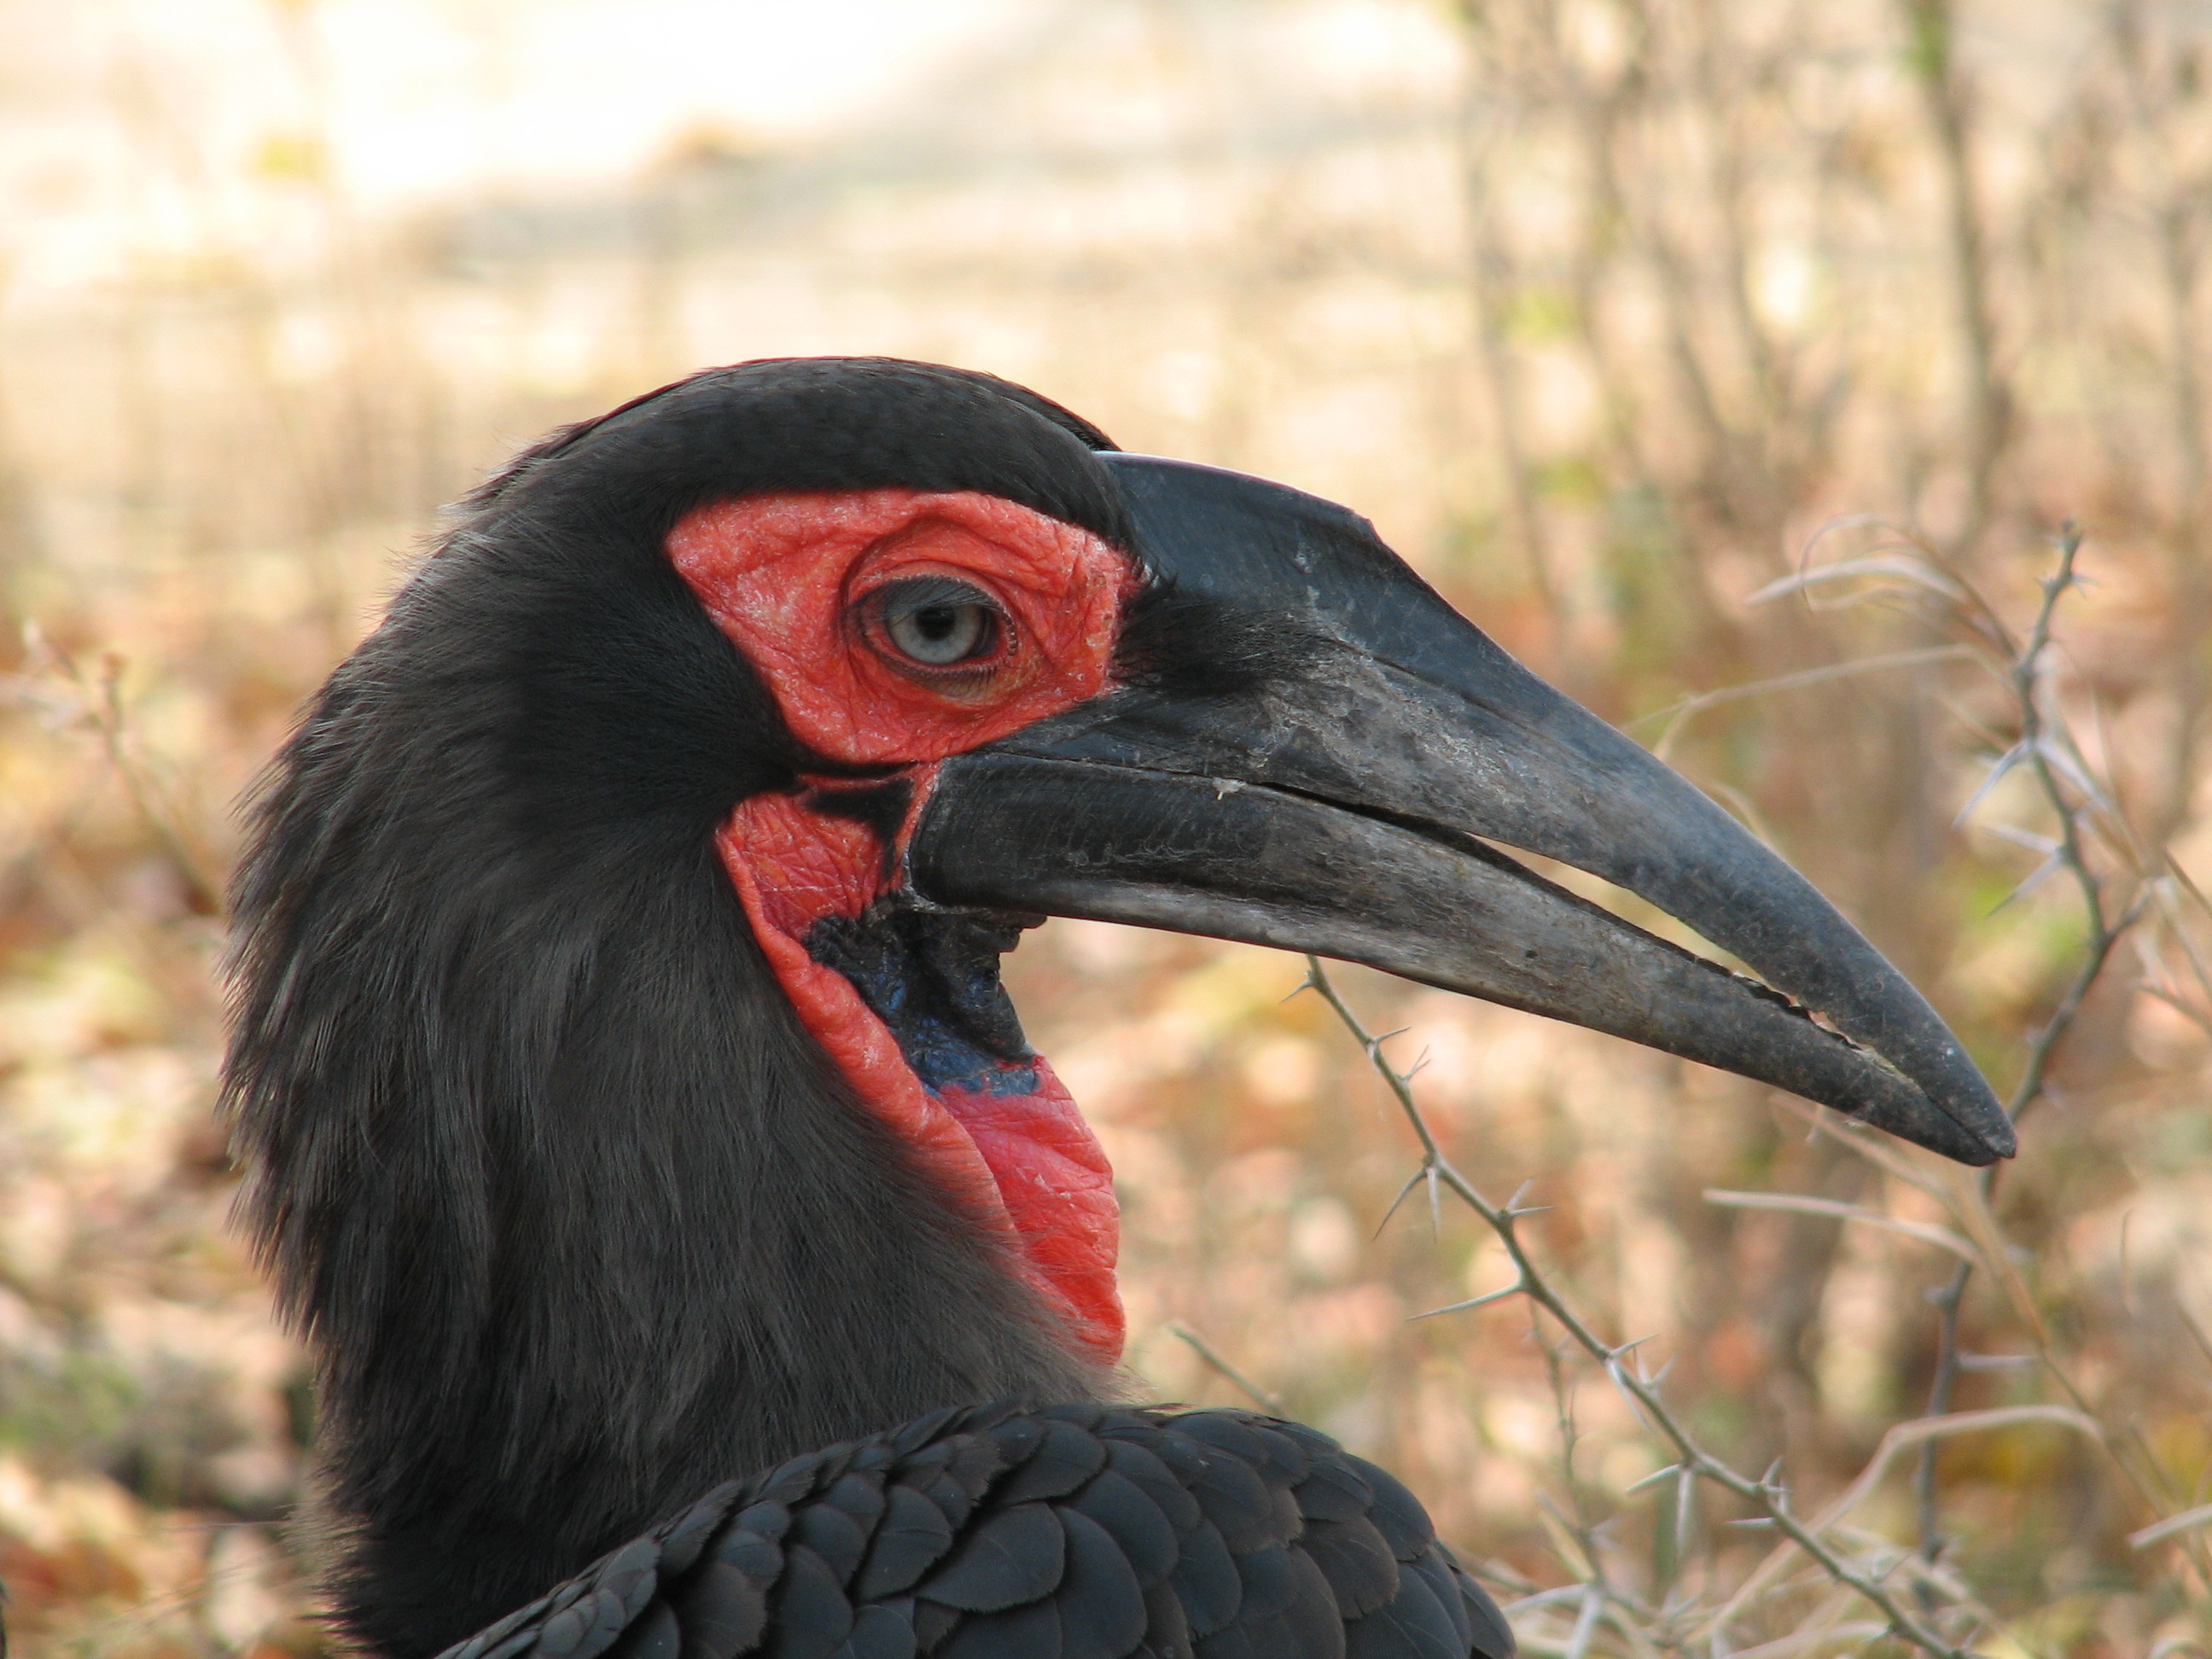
point(1334, 784)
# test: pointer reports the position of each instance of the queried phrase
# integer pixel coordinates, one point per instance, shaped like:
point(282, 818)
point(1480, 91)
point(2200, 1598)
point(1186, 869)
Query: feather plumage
point(1055, 1550)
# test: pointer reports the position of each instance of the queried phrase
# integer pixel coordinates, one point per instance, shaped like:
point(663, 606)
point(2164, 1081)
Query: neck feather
point(577, 1216)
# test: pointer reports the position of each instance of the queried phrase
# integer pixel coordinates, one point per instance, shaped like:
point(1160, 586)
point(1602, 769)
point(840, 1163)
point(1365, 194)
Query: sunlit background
point(1613, 314)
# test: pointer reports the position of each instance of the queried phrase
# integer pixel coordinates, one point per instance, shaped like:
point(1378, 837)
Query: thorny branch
point(1766, 1494)
point(2047, 751)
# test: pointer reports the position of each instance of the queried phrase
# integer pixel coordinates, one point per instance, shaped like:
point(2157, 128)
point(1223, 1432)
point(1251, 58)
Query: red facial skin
point(785, 577)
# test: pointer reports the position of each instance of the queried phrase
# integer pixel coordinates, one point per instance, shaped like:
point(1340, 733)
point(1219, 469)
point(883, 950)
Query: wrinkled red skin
point(781, 576)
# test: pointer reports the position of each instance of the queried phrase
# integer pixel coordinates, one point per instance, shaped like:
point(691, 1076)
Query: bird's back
point(1065, 1531)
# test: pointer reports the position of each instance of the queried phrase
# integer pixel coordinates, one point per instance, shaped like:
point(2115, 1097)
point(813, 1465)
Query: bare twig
point(1269, 1402)
point(1678, 715)
point(1920, 1430)
point(2047, 751)
point(1766, 1494)
point(1941, 1238)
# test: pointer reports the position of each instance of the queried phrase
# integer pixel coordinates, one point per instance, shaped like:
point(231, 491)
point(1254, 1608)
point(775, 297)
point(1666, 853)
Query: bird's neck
point(906, 1000)
point(615, 1232)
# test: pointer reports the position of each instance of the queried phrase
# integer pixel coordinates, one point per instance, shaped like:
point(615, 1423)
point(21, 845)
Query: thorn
point(1412, 1180)
point(1375, 1043)
point(2004, 764)
point(1652, 1480)
point(1618, 1378)
point(1514, 1289)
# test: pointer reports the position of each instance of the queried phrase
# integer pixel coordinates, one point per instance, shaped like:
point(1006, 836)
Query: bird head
point(926, 659)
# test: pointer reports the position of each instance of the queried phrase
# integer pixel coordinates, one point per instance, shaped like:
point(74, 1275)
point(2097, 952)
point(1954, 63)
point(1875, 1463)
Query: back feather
point(1068, 1532)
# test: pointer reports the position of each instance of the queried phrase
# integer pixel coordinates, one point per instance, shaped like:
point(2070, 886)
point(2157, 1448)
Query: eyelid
point(920, 593)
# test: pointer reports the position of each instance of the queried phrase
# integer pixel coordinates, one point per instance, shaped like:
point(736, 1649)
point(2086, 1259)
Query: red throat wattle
point(792, 580)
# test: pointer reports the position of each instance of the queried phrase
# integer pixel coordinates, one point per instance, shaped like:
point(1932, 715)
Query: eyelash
point(951, 614)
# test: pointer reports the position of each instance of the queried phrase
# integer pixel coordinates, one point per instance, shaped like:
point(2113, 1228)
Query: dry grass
point(1616, 315)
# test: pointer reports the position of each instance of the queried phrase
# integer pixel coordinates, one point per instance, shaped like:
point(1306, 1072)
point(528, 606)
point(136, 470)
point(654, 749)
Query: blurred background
point(1613, 315)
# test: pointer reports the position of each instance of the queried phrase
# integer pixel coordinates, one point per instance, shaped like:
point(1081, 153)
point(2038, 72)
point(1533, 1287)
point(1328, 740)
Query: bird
point(696, 1258)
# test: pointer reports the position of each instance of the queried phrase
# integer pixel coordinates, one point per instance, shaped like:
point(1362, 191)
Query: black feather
point(1443, 1579)
point(1315, 1620)
point(1235, 1642)
point(1016, 1438)
point(1359, 1565)
point(834, 1536)
point(721, 1610)
point(1268, 1583)
point(1138, 1525)
point(1250, 1513)
point(910, 1440)
point(952, 1499)
point(756, 1557)
point(794, 1482)
point(1332, 1491)
point(1066, 1458)
point(1411, 1625)
point(656, 1635)
point(1027, 1633)
point(1102, 1606)
point(859, 1495)
point(768, 1518)
point(880, 1632)
point(1288, 1461)
point(933, 1623)
point(912, 1537)
point(1013, 1557)
point(1487, 1632)
point(811, 1616)
point(1144, 1470)
point(1184, 1456)
point(1206, 1581)
point(561, 1635)
point(1167, 1632)
point(1084, 1414)
point(1396, 1513)
point(681, 1545)
point(1225, 1431)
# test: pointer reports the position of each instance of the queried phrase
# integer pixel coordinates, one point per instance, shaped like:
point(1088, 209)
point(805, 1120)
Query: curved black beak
point(1313, 750)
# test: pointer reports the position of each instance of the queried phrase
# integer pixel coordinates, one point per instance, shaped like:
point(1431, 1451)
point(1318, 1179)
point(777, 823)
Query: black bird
point(631, 1104)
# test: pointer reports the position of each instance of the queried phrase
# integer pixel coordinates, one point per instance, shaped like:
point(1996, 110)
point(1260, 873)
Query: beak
point(1311, 749)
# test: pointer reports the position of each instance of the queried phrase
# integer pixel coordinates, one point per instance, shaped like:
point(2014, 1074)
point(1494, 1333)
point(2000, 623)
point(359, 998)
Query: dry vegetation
point(1734, 361)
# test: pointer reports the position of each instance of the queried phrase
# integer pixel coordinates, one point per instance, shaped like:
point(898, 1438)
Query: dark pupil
point(937, 622)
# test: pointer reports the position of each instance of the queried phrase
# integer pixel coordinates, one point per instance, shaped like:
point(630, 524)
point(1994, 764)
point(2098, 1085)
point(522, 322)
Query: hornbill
point(629, 1102)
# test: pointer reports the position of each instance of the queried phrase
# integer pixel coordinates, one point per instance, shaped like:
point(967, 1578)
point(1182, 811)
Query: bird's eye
point(934, 622)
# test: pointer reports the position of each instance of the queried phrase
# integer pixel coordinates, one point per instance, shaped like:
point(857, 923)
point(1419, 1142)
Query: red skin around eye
point(782, 576)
